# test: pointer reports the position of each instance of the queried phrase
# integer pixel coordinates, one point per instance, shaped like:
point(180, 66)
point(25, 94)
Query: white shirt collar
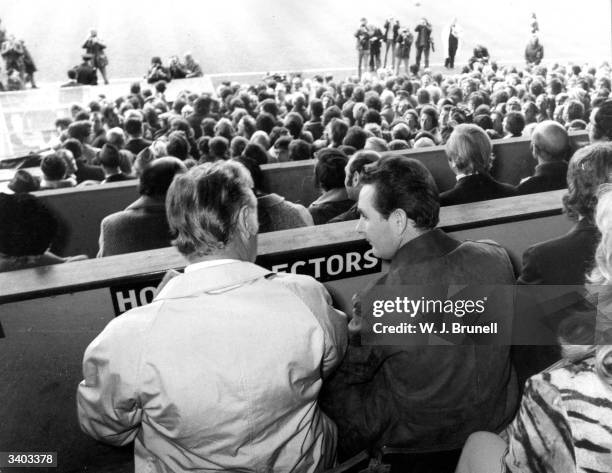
point(208, 264)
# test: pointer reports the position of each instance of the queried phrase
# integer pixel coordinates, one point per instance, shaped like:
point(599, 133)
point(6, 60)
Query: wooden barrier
point(49, 315)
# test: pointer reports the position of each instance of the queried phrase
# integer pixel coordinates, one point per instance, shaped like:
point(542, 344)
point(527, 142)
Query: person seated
point(274, 212)
point(176, 69)
point(26, 234)
point(227, 330)
point(469, 155)
point(415, 396)
point(84, 172)
point(550, 147)
point(55, 173)
point(157, 72)
point(329, 177)
point(354, 172)
point(514, 124)
point(72, 76)
point(480, 56)
point(564, 417)
point(86, 73)
point(143, 224)
point(600, 122)
point(192, 67)
point(110, 159)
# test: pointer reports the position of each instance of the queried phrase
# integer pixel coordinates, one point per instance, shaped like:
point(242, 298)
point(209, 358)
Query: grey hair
point(203, 206)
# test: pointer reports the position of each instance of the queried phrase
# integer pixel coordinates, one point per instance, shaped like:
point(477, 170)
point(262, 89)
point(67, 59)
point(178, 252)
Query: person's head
point(212, 212)
point(354, 171)
point(80, 130)
point(237, 146)
point(355, 137)
point(29, 227)
point(600, 126)
point(588, 168)
point(329, 169)
point(68, 157)
point(257, 153)
point(178, 145)
point(399, 201)
point(514, 124)
point(116, 137)
point(218, 148)
point(299, 150)
point(23, 182)
point(428, 118)
point(53, 167)
point(337, 131)
point(156, 177)
point(469, 149)
point(110, 158)
point(133, 127)
point(549, 142)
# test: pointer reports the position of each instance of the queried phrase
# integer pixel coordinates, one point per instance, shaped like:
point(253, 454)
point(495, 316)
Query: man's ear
point(355, 179)
point(247, 221)
point(399, 221)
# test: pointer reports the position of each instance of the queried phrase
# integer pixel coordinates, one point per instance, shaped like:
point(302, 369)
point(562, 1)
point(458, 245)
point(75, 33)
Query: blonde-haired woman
point(564, 423)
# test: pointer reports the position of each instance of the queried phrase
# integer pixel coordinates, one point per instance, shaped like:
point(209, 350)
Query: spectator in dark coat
point(329, 176)
point(84, 171)
point(142, 225)
point(469, 155)
point(550, 147)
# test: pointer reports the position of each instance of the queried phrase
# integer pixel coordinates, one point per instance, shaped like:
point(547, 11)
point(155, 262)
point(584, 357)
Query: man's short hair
point(299, 150)
point(574, 110)
point(515, 123)
point(80, 130)
point(329, 169)
point(361, 159)
point(355, 137)
point(588, 168)
point(237, 146)
point(338, 130)
point(203, 206)
point(178, 145)
point(110, 157)
point(157, 176)
point(218, 147)
point(74, 146)
point(404, 183)
point(469, 149)
point(133, 126)
point(53, 167)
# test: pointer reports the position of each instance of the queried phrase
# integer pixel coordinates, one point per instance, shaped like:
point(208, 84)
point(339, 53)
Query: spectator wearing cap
point(550, 147)
point(26, 234)
point(274, 212)
point(110, 159)
point(143, 224)
point(469, 155)
point(354, 172)
point(600, 124)
point(330, 177)
point(54, 170)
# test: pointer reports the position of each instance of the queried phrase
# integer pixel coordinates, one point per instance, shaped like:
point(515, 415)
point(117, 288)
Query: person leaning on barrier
point(223, 370)
point(422, 398)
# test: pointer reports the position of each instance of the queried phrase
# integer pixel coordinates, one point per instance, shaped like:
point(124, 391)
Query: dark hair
point(329, 169)
point(265, 122)
point(218, 147)
point(109, 156)
point(338, 130)
point(355, 137)
point(79, 130)
point(299, 150)
point(255, 170)
point(316, 108)
point(208, 126)
point(29, 227)
point(237, 146)
point(53, 167)
point(294, 123)
point(404, 183)
point(602, 121)
point(178, 145)
point(588, 168)
point(361, 159)
point(157, 176)
point(74, 146)
point(256, 152)
point(133, 126)
point(71, 74)
point(515, 123)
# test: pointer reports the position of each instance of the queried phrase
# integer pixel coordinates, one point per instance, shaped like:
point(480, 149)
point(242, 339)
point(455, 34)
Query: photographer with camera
point(95, 47)
point(423, 42)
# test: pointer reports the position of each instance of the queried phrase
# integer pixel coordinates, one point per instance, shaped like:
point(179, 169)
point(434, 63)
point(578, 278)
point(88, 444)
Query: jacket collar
point(430, 245)
point(147, 202)
point(226, 275)
point(553, 168)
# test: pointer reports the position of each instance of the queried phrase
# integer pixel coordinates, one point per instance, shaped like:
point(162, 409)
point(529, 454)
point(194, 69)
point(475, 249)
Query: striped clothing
point(564, 424)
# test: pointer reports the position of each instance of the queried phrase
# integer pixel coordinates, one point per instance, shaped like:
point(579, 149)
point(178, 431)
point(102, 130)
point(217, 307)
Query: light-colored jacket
point(221, 372)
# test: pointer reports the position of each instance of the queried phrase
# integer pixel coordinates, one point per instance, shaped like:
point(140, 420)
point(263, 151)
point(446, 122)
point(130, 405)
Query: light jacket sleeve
point(107, 399)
